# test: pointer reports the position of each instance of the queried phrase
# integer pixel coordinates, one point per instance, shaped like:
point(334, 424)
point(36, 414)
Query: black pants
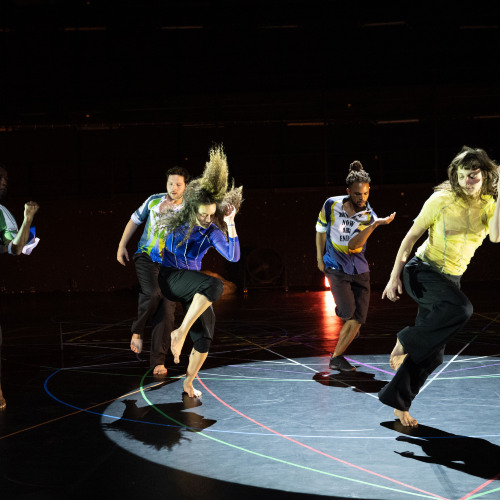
point(181, 285)
point(152, 304)
point(443, 309)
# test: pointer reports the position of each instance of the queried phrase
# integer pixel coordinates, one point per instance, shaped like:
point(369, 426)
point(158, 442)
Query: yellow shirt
point(456, 229)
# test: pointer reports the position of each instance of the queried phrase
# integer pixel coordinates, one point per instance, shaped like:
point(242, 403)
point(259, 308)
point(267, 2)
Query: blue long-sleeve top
point(190, 253)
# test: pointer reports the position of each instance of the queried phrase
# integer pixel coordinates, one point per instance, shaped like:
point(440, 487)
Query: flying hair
point(210, 188)
point(472, 159)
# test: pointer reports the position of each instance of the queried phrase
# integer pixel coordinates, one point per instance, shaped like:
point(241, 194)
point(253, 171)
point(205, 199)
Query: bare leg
point(196, 360)
point(136, 343)
point(198, 306)
point(405, 418)
point(3, 404)
point(347, 334)
point(160, 370)
point(397, 356)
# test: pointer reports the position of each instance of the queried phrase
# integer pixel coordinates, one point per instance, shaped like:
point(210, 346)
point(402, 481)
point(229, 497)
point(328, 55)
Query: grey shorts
point(351, 293)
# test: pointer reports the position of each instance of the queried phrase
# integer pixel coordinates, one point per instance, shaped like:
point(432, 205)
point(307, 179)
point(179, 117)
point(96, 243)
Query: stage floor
point(85, 416)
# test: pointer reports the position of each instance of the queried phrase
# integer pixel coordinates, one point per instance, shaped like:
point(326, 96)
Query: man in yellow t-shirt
point(458, 217)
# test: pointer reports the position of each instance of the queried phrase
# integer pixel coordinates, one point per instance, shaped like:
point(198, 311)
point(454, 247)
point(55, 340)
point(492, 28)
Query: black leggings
point(181, 285)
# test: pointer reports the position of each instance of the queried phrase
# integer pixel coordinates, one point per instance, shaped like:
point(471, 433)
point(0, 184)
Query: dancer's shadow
point(357, 381)
point(161, 426)
point(475, 456)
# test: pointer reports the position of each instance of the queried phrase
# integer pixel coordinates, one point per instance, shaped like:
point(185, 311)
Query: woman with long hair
point(205, 221)
point(457, 216)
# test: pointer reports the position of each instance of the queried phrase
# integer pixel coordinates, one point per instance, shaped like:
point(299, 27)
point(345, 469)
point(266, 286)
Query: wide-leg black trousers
point(443, 309)
point(151, 304)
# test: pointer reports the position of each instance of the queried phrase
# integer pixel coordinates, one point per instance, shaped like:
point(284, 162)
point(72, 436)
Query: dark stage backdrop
point(98, 99)
point(79, 237)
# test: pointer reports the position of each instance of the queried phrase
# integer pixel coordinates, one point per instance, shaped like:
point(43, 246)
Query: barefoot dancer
point(12, 239)
point(151, 303)
point(205, 221)
point(458, 217)
point(344, 225)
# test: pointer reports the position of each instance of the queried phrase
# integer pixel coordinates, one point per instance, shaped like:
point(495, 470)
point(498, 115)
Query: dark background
point(98, 99)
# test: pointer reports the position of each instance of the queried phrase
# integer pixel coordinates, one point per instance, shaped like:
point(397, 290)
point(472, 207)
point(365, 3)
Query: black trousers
point(181, 285)
point(153, 305)
point(443, 309)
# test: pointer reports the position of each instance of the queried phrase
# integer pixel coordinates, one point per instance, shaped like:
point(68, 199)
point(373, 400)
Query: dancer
point(12, 239)
point(205, 221)
point(151, 303)
point(458, 216)
point(344, 225)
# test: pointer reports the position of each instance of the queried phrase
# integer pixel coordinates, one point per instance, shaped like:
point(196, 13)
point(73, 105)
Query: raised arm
point(229, 220)
point(360, 239)
point(21, 238)
point(230, 250)
point(394, 285)
point(122, 253)
point(495, 220)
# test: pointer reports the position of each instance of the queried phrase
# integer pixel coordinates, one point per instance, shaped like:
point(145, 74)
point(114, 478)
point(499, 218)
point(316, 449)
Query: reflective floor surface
point(86, 417)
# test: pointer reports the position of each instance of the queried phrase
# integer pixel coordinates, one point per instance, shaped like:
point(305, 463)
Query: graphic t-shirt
point(8, 226)
point(153, 237)
point(339, 229)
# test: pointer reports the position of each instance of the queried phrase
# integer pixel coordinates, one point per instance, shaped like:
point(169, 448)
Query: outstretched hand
point(386, 220)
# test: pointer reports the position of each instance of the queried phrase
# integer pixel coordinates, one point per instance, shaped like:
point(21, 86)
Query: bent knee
point(464, 311)
point(218, 287)
point(202, 345)
point(212, 289)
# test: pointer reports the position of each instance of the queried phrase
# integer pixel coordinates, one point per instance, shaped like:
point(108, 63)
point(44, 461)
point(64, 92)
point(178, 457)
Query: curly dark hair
point(357, 174)
point(471, 159)
point(211, 188)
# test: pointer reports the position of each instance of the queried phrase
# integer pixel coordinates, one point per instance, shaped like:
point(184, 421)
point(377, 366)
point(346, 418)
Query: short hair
point(357, 174)
point(176, 170)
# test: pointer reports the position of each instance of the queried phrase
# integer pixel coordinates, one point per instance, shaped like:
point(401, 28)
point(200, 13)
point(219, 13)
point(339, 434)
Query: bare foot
point(136, 343)
point(397, 356)
point(190, 390)
point(160, 370)
point(405, 418)
point(176, 343)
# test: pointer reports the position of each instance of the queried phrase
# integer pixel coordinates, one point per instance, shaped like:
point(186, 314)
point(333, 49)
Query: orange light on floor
point(329, 302)
point(331, 324)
